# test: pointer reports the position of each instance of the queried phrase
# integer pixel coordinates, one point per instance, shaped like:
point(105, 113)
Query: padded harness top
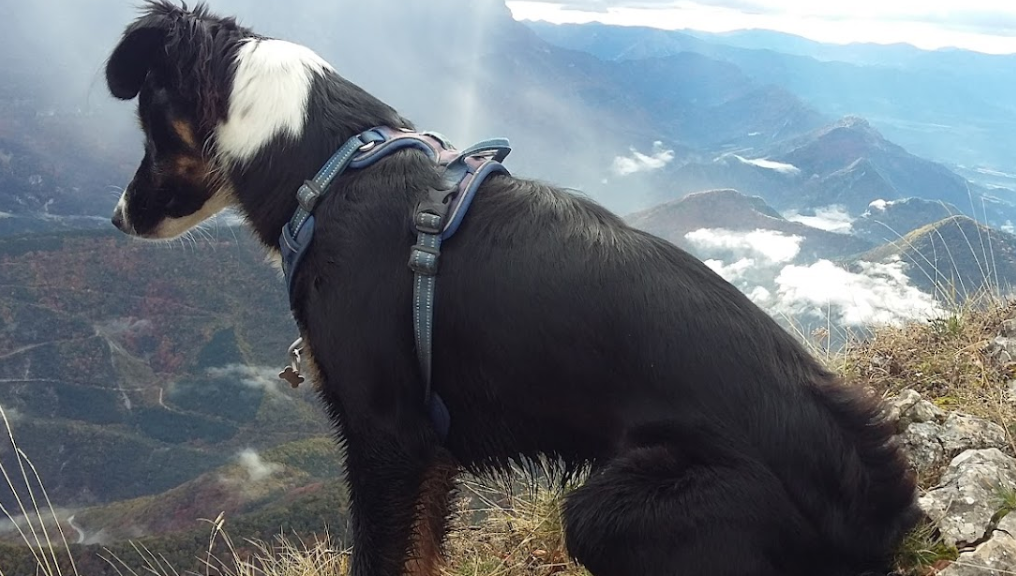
point(437, 217)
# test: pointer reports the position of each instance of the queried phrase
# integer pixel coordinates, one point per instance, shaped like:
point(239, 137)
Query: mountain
point(846, 164)
point(951, 106)
point(131, 367)
point(954, 258)
point(732, 211)
point(890, 221)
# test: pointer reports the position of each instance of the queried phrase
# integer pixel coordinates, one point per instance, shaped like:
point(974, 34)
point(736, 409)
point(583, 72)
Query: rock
point(923, 445)
point(1001, 350)
point(1010, 391)
point(1009, 328)
point(962, 432)
point(968, 494)
point(908, 407)
point(996, 557)
point(925, 411)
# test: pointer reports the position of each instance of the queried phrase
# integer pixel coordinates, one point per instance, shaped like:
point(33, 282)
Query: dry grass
point(511, 533)
point(949, 360)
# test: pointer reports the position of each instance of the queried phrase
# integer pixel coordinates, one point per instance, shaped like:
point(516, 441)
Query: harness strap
point(437, 218)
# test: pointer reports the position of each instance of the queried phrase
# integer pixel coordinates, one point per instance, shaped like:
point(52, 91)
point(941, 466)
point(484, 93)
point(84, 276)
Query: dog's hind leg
point(652, 511)
point(432, 512)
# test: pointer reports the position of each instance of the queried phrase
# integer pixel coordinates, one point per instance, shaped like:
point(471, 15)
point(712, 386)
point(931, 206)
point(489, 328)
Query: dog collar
point(437, 218)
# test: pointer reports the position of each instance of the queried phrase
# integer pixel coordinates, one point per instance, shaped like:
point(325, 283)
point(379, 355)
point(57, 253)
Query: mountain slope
point(732, 211)
point(134, 366)
point(954, 258)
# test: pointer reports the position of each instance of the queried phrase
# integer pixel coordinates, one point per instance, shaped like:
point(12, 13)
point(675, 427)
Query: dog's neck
point(289, 111)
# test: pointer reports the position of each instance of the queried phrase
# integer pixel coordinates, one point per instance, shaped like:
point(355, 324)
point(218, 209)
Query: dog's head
point(211, 94)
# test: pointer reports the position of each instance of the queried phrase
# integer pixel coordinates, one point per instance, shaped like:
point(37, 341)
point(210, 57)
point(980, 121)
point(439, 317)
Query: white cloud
point(256, 468)
point(828, 218)
point(261, 377)
point(761, 265)
point(732, 272)
point(780, 167)
point(639, 162)
point(879, 205)
point(769, 246)
point(879, 294)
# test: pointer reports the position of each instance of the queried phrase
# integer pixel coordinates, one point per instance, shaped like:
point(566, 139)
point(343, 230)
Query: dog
point(711, 442)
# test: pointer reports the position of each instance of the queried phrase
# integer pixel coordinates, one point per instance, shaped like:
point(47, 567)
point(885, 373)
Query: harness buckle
point(424, 259)
point(428, 222)
point(308, 195)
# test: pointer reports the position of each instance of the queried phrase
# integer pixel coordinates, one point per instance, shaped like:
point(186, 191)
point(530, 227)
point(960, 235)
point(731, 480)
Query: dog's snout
point(118, 219)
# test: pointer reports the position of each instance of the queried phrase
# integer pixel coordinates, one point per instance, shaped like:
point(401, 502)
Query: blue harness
point(436, 219)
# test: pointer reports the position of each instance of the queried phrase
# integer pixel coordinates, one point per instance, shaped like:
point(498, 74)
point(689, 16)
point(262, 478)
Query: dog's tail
point(871, 502)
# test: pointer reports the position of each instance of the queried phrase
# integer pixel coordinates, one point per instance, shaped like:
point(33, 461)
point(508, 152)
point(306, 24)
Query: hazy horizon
point(987, 26)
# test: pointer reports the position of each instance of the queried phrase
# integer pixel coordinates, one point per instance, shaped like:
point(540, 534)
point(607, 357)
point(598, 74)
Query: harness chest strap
point(436, 219)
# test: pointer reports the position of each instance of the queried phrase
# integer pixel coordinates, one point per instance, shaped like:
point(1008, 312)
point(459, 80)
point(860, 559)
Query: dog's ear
point(135, 55)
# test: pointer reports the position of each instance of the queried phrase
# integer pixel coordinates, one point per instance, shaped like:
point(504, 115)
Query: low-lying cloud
point(829, 218)
point(767, 246)
point(879, 293)
point(763, 265)
point(256, 468)
point(258, 377)
point(639, 162)
point(781, 167)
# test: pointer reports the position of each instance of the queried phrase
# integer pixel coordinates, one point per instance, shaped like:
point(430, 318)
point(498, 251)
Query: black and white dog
point(715, 445)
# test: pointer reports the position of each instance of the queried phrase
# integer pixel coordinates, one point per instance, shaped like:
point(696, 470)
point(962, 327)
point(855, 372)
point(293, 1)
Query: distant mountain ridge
point(928, 101)
point(730, 210)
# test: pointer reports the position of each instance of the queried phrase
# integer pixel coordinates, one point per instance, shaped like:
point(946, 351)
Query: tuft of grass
point(29, 520)
point(923, 552)
point(519, 533)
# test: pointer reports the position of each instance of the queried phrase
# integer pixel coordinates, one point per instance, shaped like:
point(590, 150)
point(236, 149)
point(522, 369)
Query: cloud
point(732, 272)
point(761, 264)
point(879, 293)
point(639, 162)
point(780, 167)
point(767, 246)
point(256, 468)
point(828, 218)
point(258, 377)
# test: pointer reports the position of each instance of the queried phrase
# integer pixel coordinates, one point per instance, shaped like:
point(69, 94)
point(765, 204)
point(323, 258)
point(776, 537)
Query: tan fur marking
point(432, 508)
point(191, 167)
point(184, 130)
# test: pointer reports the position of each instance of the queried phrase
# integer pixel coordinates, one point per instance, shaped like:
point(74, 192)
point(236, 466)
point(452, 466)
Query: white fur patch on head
point(269, 96)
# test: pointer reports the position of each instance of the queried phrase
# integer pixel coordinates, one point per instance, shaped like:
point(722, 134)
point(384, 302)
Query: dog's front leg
point(399, 485)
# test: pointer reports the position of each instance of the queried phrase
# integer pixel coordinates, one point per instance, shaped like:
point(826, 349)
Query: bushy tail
point(878, 503)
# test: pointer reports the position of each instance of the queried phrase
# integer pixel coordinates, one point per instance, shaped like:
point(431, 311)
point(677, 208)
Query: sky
point(982, 25)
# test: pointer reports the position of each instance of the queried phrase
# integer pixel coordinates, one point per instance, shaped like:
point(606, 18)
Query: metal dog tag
point(291, 373)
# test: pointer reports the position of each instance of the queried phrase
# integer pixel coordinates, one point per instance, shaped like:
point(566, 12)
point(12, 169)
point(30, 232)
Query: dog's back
point(629, 343)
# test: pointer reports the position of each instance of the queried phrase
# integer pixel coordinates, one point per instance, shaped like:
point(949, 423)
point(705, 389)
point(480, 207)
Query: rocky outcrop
point(932, 437)
point(975, 486)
